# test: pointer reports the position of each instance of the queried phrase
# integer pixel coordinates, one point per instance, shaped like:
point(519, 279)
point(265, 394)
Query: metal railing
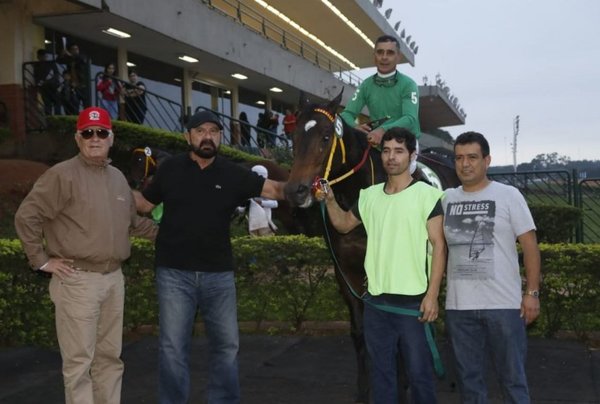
point(262, 142)
point(152, 109)
point(588, 199)
point(256, 22)
point(560, 187)
point(3, 115)
point(47, 93)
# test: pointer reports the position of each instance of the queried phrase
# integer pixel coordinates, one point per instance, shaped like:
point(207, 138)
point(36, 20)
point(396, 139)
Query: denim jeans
point(473, 333)
point(112, 106)
point(386, 334)
point(180, 293)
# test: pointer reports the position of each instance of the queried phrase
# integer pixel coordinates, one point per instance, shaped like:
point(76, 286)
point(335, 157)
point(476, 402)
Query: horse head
point(324, 147)
point(144, 161)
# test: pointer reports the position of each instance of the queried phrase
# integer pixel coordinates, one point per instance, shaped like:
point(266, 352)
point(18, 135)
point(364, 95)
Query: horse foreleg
point(355, 307)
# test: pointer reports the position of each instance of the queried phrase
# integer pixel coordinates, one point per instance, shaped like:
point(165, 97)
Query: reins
point(429, 330)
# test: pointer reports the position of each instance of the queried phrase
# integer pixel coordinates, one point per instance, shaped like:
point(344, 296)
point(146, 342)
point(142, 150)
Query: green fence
point(561, 187)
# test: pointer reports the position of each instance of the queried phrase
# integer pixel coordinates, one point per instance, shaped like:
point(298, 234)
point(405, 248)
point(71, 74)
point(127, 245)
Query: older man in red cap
point(75, 225)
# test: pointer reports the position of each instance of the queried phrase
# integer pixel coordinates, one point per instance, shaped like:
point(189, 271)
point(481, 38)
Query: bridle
point(149, 162)
point(340, 140)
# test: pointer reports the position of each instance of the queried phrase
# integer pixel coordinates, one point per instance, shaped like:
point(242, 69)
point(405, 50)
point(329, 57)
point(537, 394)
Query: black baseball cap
point(201, 117)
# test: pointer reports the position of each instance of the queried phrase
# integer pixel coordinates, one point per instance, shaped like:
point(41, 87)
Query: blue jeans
point(473, 333)
point(385, 335)
point(112, 106)
point(180, 293)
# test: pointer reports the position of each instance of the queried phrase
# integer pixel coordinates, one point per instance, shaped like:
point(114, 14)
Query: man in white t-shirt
point(486, 308)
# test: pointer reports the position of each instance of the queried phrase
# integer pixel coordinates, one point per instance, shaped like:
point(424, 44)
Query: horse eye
point(326, 138)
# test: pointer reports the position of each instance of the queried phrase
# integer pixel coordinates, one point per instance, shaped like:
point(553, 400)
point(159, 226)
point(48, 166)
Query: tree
point(545, 161)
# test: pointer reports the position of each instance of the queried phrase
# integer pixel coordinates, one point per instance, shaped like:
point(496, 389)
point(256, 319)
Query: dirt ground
point(19, 174)
point(16, 179)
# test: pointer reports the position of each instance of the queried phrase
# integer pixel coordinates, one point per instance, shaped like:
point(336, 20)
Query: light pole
point(514, 143)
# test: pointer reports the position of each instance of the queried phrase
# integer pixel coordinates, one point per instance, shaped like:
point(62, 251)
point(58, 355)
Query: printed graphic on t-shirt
point(469, 228)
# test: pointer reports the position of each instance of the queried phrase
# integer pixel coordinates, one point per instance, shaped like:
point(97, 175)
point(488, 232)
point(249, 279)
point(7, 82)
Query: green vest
point(398, 257)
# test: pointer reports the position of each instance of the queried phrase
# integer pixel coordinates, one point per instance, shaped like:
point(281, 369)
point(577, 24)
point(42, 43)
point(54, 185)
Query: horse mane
point(441, 161)
point(439, 155)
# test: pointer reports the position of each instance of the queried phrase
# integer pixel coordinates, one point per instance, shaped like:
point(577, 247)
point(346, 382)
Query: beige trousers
point(89, 327)
point(263, 231)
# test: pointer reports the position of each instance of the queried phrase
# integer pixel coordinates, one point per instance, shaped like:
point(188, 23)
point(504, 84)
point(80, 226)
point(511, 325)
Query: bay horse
point(324, 146)
point(143, 165)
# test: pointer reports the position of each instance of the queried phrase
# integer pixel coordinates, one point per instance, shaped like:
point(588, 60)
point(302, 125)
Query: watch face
point(533, 293)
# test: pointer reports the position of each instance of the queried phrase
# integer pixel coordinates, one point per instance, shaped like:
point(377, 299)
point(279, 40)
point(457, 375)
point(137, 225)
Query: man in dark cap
point(200, 191)
point(74, 225)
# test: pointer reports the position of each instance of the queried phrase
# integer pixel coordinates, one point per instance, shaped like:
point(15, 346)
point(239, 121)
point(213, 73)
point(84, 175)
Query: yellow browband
point(326, 113)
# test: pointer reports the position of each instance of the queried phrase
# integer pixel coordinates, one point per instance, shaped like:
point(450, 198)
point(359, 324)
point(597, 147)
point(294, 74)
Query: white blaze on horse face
point(310, 124)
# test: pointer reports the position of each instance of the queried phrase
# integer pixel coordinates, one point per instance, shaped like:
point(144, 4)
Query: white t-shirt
point(481, 229)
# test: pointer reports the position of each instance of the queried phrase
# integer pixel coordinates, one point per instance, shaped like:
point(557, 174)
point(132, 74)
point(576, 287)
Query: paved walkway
point(294, 370)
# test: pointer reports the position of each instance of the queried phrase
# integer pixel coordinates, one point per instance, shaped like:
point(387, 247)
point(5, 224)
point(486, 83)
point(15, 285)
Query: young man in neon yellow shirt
point(405, 260)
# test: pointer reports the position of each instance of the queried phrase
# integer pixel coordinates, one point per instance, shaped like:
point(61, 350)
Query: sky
point(539, 59)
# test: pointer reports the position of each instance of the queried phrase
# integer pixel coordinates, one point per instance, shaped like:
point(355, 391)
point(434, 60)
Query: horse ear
point(335, 103)
point(304, 100)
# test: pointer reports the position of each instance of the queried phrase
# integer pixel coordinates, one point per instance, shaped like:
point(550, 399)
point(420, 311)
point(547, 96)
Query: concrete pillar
point(186, 91)
point(122, 68)
point(235, 101)
point(268, 102)
point(20, 40)
point(122, 73)
point(214, 98)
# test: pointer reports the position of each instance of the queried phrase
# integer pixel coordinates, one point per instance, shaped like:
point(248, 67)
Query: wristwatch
point(534, 293)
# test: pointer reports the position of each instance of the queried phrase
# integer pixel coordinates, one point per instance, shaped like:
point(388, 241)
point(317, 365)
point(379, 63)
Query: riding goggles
point(89, 133)
point(385, 81)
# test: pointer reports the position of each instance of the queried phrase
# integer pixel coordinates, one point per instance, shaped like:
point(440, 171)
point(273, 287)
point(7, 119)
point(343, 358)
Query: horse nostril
point(301, 192)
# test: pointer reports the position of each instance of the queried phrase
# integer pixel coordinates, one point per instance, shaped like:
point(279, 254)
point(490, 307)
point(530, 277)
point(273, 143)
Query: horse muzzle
point(299, 195)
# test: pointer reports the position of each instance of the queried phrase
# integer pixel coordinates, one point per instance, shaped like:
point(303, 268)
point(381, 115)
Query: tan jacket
point(85, 211)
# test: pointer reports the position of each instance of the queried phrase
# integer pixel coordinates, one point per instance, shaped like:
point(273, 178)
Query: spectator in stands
point(69, 96)
point(263, 124)
point(135, 99)
point(273, 125)
point(109, 88)
point(245, 129)
point(79, 67)
point(47, 81)
point(289, 123)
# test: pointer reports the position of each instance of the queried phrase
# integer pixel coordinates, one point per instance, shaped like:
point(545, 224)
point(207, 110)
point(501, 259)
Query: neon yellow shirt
point(398, 252)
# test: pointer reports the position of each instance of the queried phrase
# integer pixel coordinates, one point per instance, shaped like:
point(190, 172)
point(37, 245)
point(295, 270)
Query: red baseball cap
point(94, 116)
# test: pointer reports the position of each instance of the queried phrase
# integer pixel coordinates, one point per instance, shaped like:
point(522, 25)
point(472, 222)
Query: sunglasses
point(89, 133)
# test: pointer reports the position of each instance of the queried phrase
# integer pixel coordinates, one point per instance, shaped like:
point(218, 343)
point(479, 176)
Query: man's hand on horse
point(374, 137)
point(322, 191)
point(364, 128)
